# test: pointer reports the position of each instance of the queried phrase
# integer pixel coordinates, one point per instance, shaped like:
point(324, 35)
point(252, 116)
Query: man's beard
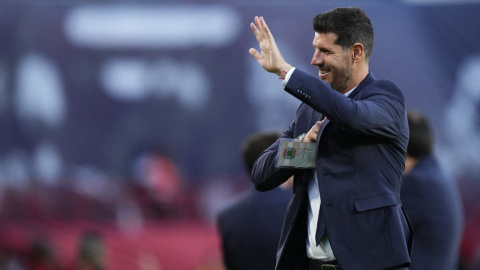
point(341, 76)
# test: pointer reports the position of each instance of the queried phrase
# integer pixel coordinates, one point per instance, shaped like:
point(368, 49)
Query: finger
point(265, 28)
point(258, 23)
point(254, 53)
point(253, 27)
point(315, 126)
point(263, 24)
point(257, 29)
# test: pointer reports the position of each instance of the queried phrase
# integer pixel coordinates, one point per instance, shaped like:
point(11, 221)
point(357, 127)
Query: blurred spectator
point(9, 259)
point(147, 261)
point(477, 260)
point(91, 252)
point(432, 202)
point(157, 183)
point(41, 255)
point(250, 228)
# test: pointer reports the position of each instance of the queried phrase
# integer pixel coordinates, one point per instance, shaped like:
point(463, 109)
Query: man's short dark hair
point(350, 24)
point(420, 143)
point(255, 144)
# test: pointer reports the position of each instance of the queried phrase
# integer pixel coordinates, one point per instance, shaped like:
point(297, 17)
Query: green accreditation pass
point(296, 154)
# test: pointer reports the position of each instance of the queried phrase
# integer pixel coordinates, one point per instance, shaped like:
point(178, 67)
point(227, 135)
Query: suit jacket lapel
point(321, 128)
point(368, 80)
point(314, 117)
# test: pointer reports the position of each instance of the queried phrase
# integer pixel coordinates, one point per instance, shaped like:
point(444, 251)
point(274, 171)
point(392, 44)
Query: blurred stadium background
point(125, 118)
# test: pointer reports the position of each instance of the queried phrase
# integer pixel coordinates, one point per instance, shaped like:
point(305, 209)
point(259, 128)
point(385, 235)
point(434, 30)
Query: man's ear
point(358, 51)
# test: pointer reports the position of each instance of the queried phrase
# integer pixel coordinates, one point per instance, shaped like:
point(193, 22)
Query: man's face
point(333, 63)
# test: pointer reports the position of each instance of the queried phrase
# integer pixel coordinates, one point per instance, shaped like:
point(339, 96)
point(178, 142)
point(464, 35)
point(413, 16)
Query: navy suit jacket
point(433, 204)
point(360, 161)
point(250, 229)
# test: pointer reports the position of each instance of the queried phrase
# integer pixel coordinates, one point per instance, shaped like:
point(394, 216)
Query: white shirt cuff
point(287, 77)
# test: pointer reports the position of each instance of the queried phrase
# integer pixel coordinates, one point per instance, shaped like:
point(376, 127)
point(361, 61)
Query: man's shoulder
point(236, 205)
point(427, 176)
point(383, 83)
point(383, 86)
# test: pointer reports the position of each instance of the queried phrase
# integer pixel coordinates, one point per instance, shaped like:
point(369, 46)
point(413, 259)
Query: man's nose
point(317, 59)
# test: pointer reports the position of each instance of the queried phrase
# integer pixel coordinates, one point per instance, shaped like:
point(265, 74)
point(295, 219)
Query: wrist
point(282, 72)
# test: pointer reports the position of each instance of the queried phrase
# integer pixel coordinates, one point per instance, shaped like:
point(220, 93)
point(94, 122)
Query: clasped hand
point(269, 56)
point(312, 134)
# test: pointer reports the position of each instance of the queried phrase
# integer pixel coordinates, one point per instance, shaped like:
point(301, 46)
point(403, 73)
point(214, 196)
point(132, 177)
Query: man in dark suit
point(360, 128)
point(250, 228)
point(432, 202)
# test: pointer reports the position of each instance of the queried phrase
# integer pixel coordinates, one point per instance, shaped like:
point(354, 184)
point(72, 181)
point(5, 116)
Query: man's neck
point(359, 73)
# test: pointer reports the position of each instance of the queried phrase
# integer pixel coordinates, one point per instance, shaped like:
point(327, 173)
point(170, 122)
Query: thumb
point(254, 53)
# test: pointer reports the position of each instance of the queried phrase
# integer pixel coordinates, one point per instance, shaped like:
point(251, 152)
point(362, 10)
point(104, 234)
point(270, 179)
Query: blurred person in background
point(432, 202)
point(476, 263)
point(345, 212)
point(41, 255)
point(10, 259)
point(91, 252)
point(157, 183)
point(250, 227)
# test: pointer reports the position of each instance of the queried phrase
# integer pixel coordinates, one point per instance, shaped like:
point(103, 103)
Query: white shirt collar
point(349, 92)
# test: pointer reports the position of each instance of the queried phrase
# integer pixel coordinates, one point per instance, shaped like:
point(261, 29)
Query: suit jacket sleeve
point(265, 174)
point(378, 112)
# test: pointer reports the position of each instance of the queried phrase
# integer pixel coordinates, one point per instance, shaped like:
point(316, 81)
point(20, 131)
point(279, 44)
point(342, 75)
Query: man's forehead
point(324, 38)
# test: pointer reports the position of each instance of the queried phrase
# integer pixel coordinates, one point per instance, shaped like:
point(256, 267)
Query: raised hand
point(269, 56)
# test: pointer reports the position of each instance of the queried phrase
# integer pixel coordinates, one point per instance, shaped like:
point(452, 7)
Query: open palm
point(269, 56)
